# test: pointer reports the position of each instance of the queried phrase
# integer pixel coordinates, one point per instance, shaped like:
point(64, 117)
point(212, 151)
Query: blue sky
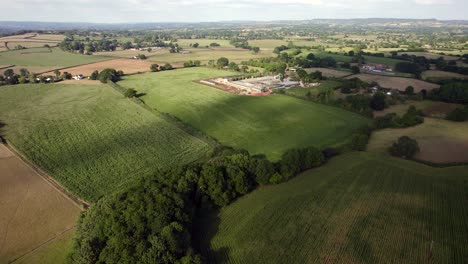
point(225, 10)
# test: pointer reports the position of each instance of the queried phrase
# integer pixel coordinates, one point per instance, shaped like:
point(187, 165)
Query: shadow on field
point(2, 140)
point(205, 227)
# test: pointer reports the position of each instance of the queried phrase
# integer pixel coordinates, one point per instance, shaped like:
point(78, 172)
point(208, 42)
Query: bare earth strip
point(128, 66)
point(398, 83)
point(33, 211)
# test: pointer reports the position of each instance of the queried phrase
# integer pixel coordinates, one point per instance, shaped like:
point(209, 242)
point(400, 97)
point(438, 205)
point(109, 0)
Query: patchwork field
point(263, 125)
point(358, 208)
point(45, 57)
point(429, 108)
point(398, 83)
point(34, 213)
point(128, 66)
point(440, 141)
point(90, 138)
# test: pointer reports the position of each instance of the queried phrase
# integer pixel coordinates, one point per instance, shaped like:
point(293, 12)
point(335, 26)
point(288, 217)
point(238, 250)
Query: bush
point(412, 117)
point(458, 115)
point(405, 147)
point(109, 75)
point(94, 75)
point(154, 67)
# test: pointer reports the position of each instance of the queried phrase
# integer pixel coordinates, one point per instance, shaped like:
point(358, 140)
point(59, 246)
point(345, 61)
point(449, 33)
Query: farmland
point(90, 138)
point(330, 72)
point(204, 55)
point(358, 208)
point(440, 141)
point(128, 66)
point(262, 125)
point(434, 75)
point(34, 213)
point(398, 83)
point(45, 57)
point(429, 108)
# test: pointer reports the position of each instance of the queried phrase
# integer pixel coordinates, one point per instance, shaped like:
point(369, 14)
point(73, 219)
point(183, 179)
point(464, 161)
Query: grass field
point(358, 208)
point(435, 76)
point(185, 43)
point(45, 57)
point(314, 91)
point(33, 211)
point(440, 141)
point(378, 60)
point(330, 72)
point(430, 55)
point(262, 125)
point(204, 55)
point(429, 108)
point(398, 83)
point(90, 138)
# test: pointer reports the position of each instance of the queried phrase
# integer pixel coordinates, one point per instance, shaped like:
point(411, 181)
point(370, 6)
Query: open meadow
point(398, 83)
point(429, 108)
point(45, 57)
point(204, 55)
point(34, 213)
point(440, 141)
point(90, 138)
point(358, 208)
point(263, 125)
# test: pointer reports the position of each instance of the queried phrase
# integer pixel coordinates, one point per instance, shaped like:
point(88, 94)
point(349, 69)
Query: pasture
point(45, 57)
point(430, 108)
point(128, 66)
point(90, 138)
point(398, 83)
point(263, 125)
point(314, 91)
point(204, 55)
point(358, 208)
point(440, 141)
point(434, 76)
point(185, 43)
point(330, 72)
point(34, 213)
point(430, 55)
point(379, 60)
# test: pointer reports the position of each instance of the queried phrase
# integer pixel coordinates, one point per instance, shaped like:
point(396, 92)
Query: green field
point(262, 125)
point(379, 60)
point(185, 43)
point(204, 55)
point(90, 138)
point(314, 91)
point(45, 57)
point(358, 208)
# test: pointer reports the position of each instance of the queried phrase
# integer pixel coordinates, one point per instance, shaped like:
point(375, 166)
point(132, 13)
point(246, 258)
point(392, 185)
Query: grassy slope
point(90, 138)
point(266, 125)
point(42, 57)
point(359, 208)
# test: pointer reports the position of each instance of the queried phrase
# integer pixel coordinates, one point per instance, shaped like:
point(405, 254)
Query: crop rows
point(360, 208)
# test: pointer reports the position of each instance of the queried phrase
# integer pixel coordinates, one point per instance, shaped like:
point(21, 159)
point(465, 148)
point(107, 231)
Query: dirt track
point(32, 210)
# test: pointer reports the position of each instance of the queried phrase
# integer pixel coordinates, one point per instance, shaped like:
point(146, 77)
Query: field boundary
point(78, 202)
point(68, 67)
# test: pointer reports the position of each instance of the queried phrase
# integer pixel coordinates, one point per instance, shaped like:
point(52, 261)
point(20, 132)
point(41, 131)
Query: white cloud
point(433, 2)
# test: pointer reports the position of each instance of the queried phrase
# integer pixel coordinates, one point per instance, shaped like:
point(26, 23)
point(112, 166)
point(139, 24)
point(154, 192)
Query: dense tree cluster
point(412, 117)
point(458, 114)
point(453, 92)
point(409, 67)
point(106, 75)
point(191, 63)
point(405, 147)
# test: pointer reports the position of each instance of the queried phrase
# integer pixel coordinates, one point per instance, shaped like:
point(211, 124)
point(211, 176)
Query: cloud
point(433, 2)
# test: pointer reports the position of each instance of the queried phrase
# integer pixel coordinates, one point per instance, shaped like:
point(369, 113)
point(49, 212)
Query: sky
point(116, 11)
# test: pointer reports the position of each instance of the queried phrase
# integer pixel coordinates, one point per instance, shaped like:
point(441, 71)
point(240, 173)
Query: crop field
point(204, 55)
point(358, 208)
point(267, 43)
point(30, 40)
point(398, 83)
point(263, 125)
point(90, 138)
point(329, 72)
point(128, 66)
point(119, 53)
point(387, 61)
point(430, 108)
point(33, 211)
point(440, 141)
point(434, 75)
point(45, 57)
